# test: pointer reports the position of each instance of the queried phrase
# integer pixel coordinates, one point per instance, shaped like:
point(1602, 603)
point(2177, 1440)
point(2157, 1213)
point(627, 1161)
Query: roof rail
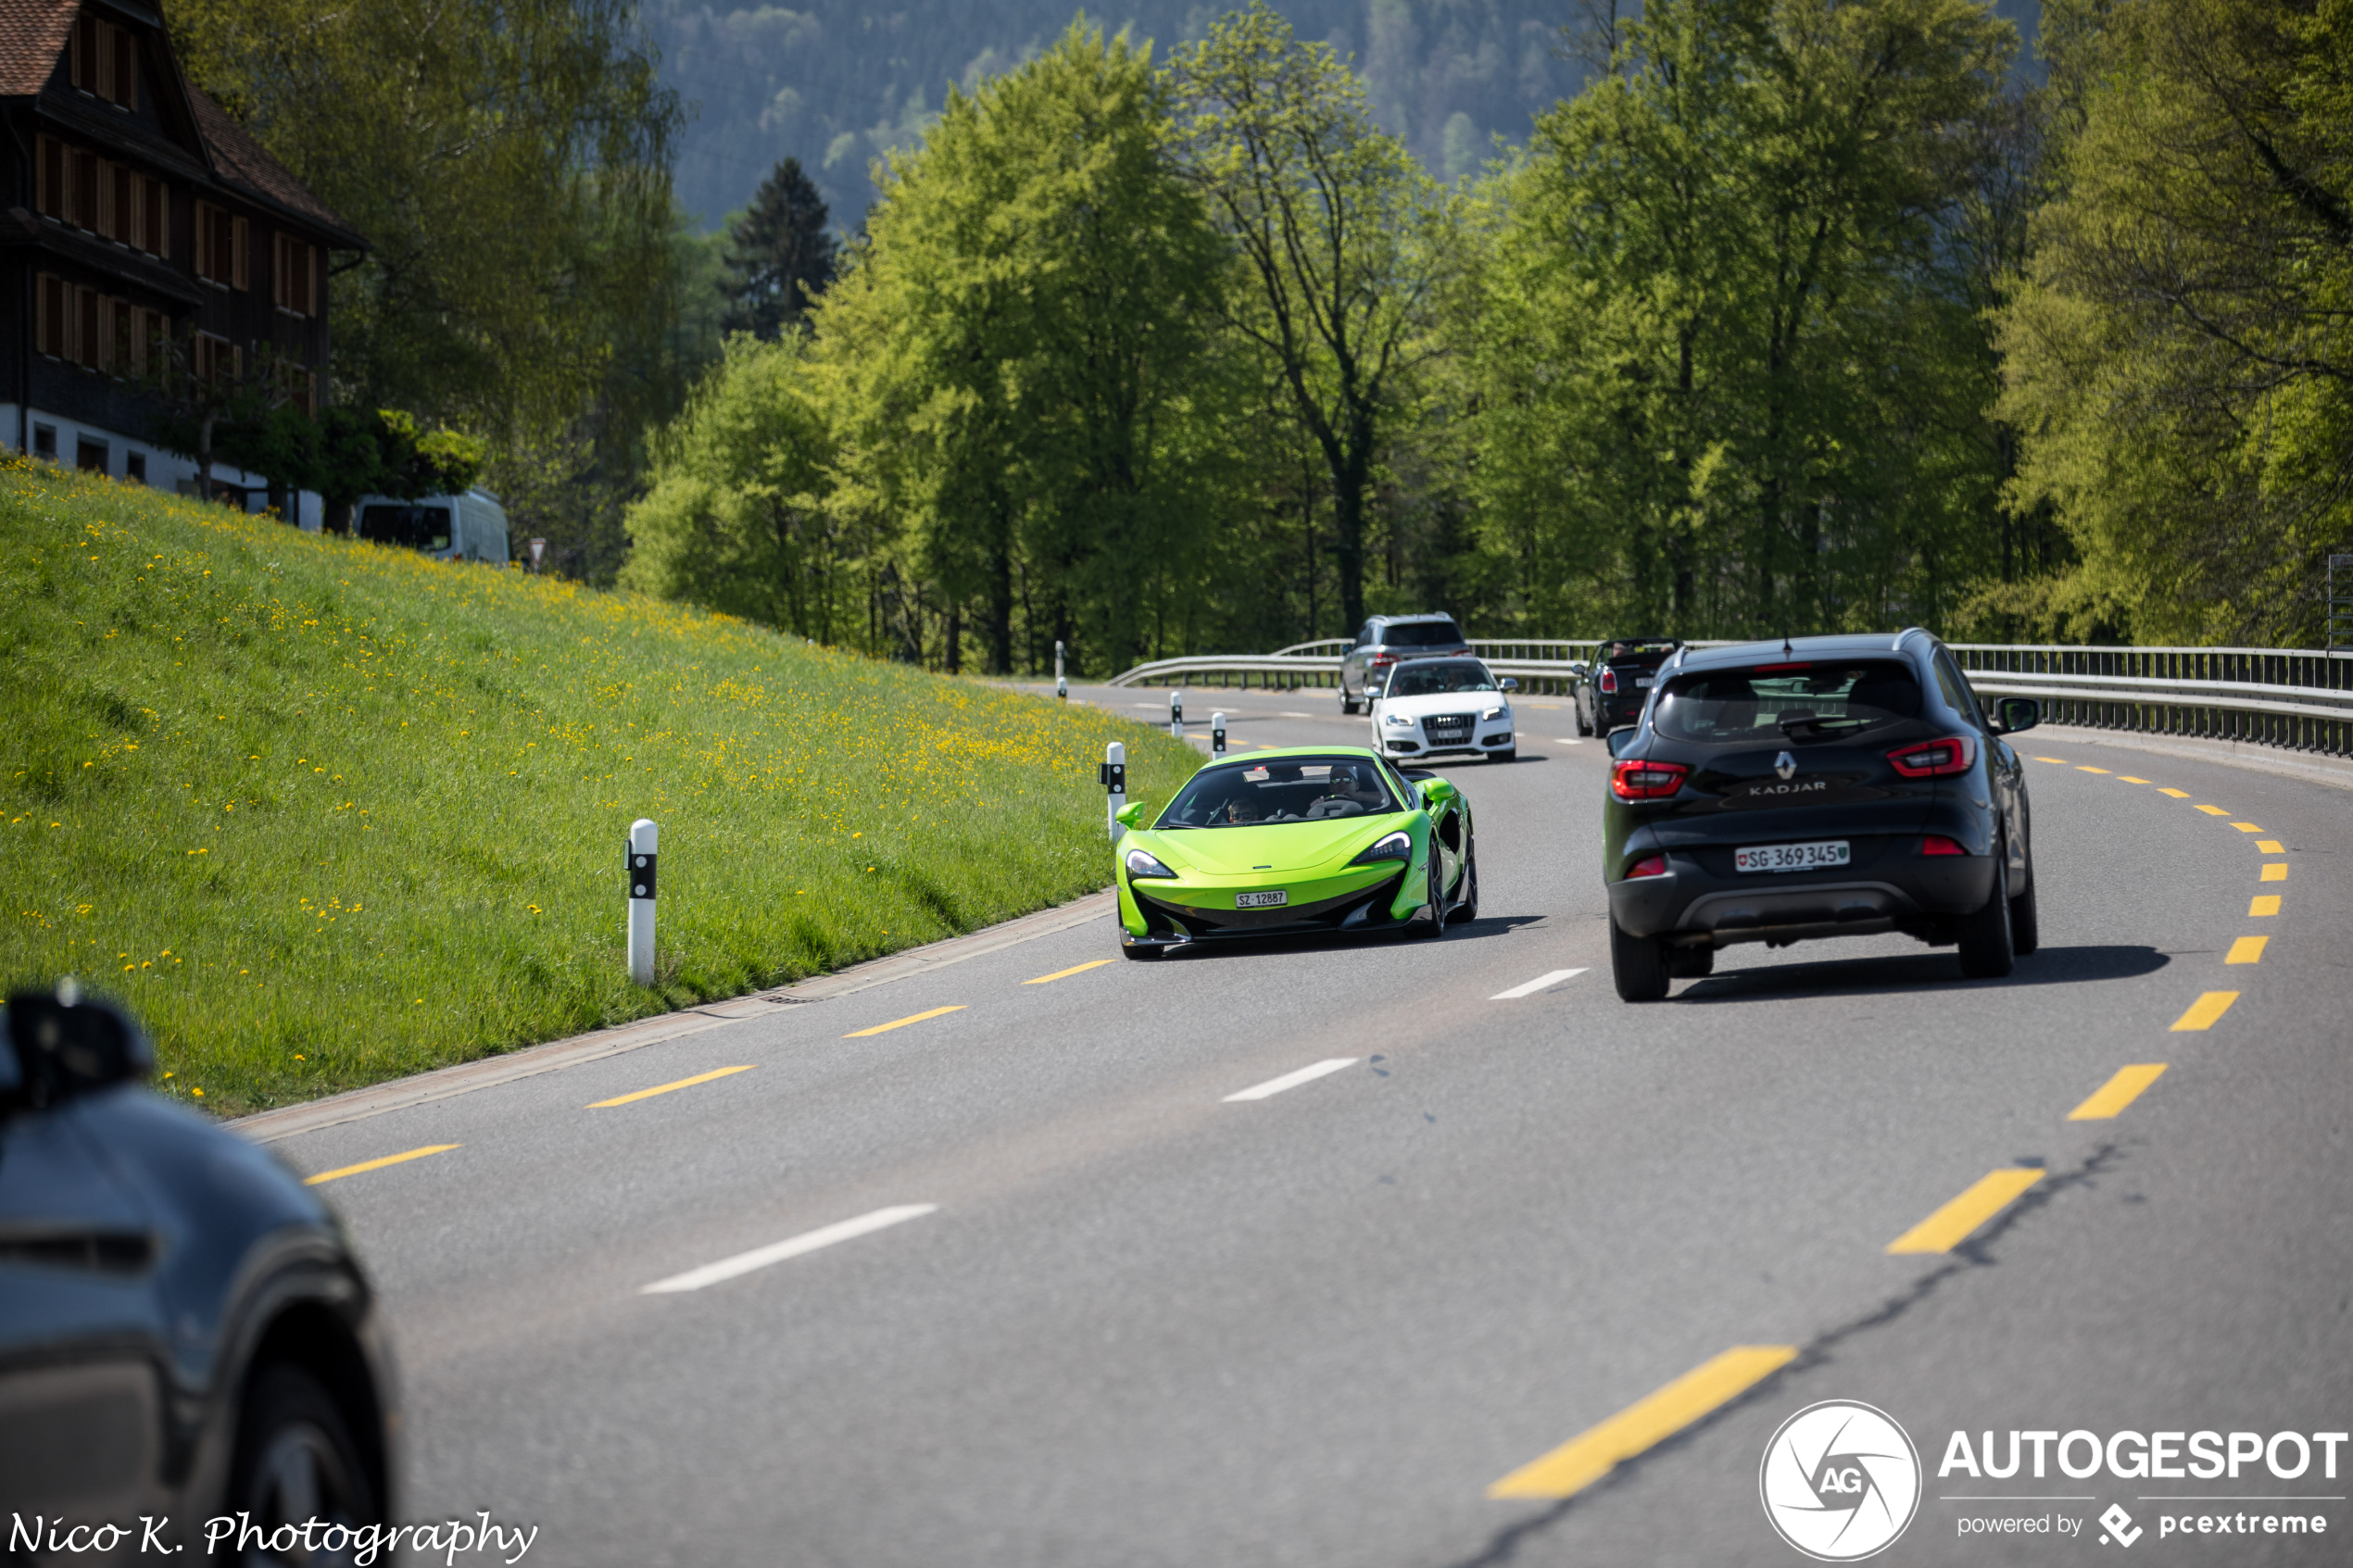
point(1906, 632)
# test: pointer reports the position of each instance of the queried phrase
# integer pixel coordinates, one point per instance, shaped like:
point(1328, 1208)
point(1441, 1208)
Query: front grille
point(1448, 729)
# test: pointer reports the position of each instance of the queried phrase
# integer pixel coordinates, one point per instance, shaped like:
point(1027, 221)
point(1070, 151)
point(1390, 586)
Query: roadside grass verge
point(324, 812)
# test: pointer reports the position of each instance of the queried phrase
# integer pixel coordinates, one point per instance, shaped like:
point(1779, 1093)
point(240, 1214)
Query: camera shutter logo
point(1840, 1481)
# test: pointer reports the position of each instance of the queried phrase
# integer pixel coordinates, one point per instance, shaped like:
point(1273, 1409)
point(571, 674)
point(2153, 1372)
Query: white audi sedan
point(1431, 706)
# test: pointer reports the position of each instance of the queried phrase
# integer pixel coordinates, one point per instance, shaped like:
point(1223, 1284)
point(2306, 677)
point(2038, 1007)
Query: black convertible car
point(1825, 787)
point(184, 1329)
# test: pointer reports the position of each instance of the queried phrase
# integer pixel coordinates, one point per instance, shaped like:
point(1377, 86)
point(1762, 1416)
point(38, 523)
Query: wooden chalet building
point(135, 212)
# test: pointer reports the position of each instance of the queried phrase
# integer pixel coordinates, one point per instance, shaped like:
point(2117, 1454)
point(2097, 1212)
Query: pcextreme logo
point(1839, 1481)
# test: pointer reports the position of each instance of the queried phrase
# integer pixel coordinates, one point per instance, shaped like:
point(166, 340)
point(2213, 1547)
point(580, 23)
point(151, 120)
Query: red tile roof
point(244, 162)
point(32, 34)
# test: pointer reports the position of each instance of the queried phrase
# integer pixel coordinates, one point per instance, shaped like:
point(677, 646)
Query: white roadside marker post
point(1176, 713)
point(1114, 780)
point(642, 837)
point(1217, 735)
point(1062, 685)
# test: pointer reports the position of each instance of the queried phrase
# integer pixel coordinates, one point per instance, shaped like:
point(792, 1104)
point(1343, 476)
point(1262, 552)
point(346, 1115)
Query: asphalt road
point(1107, 1317)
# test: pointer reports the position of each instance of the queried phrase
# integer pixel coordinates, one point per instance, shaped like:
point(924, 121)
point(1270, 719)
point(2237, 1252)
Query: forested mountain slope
point(834, 82)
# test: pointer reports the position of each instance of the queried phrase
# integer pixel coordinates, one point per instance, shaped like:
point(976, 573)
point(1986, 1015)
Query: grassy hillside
point(324, 812)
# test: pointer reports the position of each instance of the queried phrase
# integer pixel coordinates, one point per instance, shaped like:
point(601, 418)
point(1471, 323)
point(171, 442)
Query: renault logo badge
point(1786, 765)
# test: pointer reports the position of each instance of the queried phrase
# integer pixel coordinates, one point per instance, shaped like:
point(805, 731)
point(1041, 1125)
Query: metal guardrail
point(2298, 699)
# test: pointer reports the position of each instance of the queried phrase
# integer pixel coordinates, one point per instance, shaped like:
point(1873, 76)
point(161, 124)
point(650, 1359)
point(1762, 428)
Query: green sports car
point(1302, 841)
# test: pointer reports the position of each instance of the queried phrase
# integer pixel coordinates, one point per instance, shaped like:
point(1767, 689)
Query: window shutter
point(238, 251)
point(159, 218)
point(81, 213)
point(86, 52)
point(86, 335)
point(42, 156)
point(126, 68)
point(41, 314)
point(105, 225)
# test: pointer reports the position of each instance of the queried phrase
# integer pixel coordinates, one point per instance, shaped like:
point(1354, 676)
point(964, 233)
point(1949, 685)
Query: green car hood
point(1271, 846)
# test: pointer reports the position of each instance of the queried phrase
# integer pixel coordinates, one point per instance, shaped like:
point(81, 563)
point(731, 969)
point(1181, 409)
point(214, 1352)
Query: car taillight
point(1937, 844)
point(1609, 681)
point(1384, 658)
point(1649, 865)
point(1934, 758)
point(1645, 781)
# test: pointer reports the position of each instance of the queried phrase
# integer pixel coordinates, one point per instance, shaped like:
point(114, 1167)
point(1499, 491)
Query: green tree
point(508, 162)
point(1729, 375)
point(1341, 240)
point(779, 254)
point(1020, 352)
point(2179, 354)
point(736, 518)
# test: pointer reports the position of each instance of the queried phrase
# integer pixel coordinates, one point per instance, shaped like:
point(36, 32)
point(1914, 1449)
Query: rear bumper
point(1915, 894)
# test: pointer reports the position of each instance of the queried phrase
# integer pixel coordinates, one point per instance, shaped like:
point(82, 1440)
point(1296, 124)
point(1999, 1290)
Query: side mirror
point(1438, 792)
point(1131, 815)
point(1577, 668)
point(1508, 683)
point(2012, 714)
point(1620, 739)
point(62, 1043)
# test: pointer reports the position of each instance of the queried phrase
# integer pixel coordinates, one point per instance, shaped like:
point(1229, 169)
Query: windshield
point(1421, 634)
point(1774, 702)
point(1645, 650)
point(1281, 789)
point(420, 528)
point(1438, 678)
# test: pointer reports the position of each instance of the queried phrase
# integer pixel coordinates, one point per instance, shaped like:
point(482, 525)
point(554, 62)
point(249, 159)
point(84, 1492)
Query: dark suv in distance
point(1391, 639)
point(1610, 695)
point(1825, 787)
point(184, 1329)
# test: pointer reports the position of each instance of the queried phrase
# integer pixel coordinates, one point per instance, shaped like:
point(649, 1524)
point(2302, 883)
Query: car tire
point(1347, 706)
point(1435, 900)
point(1584, 725)
point(294, 1458)
point(1509, 754)
point(2026, 926)
point(1690, 963)
point(1988, 949)
point(1468, 909)
point(1638, 964)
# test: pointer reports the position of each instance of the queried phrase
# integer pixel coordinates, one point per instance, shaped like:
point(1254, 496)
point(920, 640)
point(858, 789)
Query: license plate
point(1645, 679)
point(1792, 856)
point(1260, 900)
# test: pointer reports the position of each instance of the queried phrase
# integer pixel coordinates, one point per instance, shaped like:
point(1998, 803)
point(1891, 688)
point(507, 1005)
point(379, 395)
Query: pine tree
point(779, 254)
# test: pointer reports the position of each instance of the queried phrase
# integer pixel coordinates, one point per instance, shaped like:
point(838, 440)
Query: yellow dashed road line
point(2214, 810)
point(2262, 905)
point(2176, 794)
point(2247, 949)
point(2276, 872)
point(901, 1022)
point(2118, 1092)
point(1951, 1225)
point(2206, 1010)
point(666, 1088)
point(2270, 847)
point(341, 1171)
point(1593, 1454)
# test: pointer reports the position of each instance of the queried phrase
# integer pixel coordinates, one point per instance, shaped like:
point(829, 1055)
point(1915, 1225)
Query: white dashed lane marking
point(777, 1252)
point(1542, 982)
point(1292, 1080)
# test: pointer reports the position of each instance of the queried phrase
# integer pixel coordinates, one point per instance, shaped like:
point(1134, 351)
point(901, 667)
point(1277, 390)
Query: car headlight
point(1141, 864)
point(1390, 846)
point(1400, 720)
point(1503, 712)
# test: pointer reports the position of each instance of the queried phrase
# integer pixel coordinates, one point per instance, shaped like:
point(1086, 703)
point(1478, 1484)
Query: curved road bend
point(988, 1266)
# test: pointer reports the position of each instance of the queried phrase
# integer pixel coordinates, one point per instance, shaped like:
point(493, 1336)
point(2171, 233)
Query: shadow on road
point(1242, 946)
point(1911, 971)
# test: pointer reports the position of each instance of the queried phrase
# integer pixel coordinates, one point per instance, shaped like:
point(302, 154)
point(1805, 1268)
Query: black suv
point(1825, 787)
point(1389, 639)
point(1610, 695)
point(183, 1330)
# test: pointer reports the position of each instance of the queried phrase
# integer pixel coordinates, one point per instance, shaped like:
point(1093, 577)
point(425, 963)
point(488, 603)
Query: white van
point(468, 527)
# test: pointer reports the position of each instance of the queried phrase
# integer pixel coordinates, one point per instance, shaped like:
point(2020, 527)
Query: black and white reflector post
point(1115, 777)
point(642, 837)
point(1062, 686)
point(1217, 735)
point(1177, 712)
